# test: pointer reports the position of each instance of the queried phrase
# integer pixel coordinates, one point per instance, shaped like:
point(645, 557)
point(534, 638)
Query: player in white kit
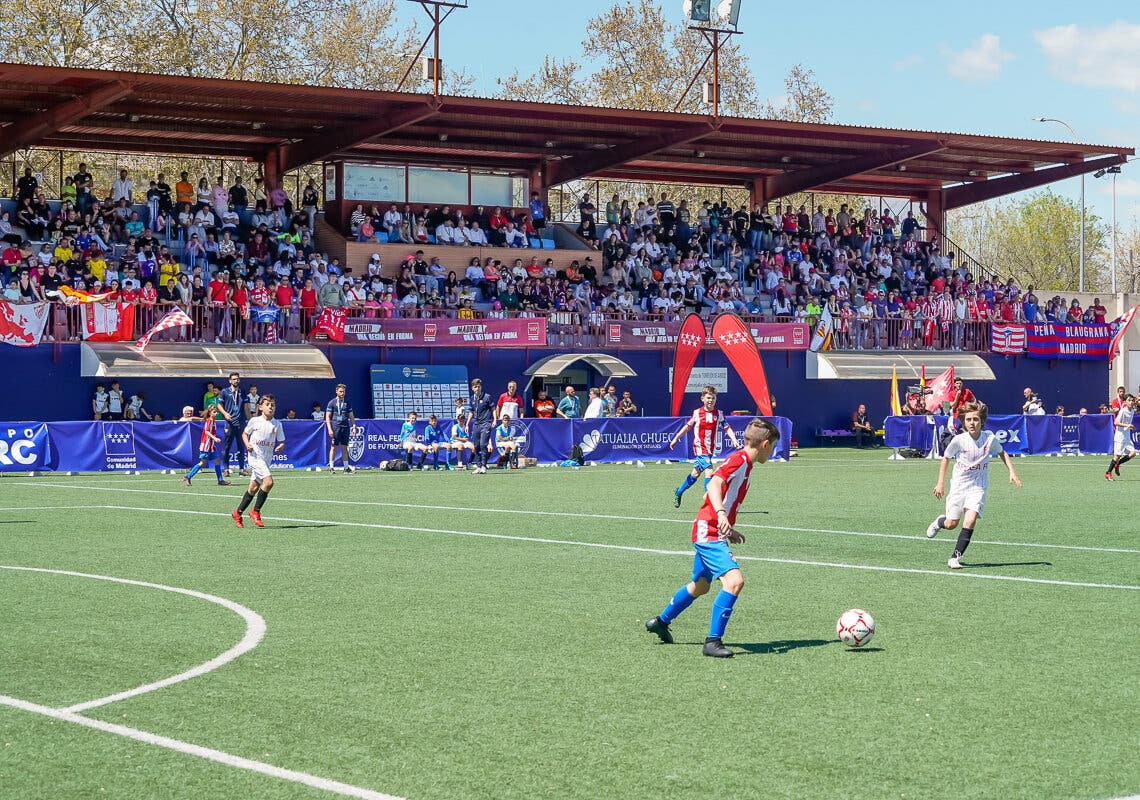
point(972, 450)
point(263, 436)
point(1122, 447)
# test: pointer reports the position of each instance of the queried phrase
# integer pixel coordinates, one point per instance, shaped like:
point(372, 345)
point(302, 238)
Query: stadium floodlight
point(728, 11)
point(697, 10)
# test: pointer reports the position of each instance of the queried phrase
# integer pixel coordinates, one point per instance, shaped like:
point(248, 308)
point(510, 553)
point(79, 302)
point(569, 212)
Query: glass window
point(434, 185)
point(498, 190)
point(368, 182)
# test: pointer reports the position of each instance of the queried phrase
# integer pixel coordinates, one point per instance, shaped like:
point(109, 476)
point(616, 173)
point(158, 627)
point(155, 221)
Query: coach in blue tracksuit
point(231, 400)
point(482, 421)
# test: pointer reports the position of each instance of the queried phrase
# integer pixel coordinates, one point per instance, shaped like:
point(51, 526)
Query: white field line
point(636, 549)
point(228, 759)
point(254, 633)
point(616, 517)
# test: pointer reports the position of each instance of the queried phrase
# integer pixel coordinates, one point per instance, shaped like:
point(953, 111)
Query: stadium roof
point(290, 125)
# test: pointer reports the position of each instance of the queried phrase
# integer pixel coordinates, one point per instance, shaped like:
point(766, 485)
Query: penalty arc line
point(578, 515)
point(254, 633)
point(208, 753)
point(650, 550)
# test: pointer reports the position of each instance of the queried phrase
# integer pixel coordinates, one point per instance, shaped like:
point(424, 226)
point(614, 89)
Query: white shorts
point(966, 497)
point(1122, 443)
point(258, 469)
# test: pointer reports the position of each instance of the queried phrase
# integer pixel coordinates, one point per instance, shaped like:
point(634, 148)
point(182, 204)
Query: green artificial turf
point(406, 659)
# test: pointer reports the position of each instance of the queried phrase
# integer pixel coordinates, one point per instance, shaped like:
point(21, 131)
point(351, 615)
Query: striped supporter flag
point(1008, 339)
point(171, 320)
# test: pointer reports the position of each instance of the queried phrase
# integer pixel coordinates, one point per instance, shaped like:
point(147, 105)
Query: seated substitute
point(506, 443)
point(409, 439)
point(461, 440)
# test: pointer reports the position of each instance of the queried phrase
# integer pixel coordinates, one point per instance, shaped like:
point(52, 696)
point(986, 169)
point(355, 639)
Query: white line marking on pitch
point(617, 517)
point(207, 753)
point(254, 633)
point(636, 549)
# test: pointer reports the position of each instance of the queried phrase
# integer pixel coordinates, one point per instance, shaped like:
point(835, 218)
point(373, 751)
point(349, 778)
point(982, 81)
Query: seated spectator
point(861, 426)
point(513, 237)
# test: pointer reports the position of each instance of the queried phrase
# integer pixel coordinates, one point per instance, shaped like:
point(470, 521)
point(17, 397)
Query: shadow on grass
point(780, 646)
point(16, 522)
point(991, 565)
point(293, 527)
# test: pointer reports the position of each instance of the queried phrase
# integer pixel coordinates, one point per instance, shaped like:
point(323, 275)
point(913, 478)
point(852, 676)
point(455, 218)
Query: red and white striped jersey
point(736, 471)
point(707, 427)
point(206, 444)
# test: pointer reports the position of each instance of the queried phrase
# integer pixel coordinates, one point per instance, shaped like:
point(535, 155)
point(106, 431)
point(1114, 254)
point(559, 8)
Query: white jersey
point(1122, 436)
point(1124, 419)
point(264, 434)
point(972, 459)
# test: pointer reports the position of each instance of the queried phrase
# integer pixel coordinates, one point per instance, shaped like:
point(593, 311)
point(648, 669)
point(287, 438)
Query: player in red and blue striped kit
point(707, 422)
point(713, 531)
point(207, 446)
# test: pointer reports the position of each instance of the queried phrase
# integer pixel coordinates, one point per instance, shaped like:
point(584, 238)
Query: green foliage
point(408, 657)
point(1036, 239)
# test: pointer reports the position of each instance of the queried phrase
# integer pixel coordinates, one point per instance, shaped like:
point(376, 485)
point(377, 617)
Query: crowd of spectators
point(242, 260)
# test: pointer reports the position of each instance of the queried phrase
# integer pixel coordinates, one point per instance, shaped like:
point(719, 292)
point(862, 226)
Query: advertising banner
point(23, 446)
point(1047, 434)
point(130, 446)
point(1070, 342)
point(636, 335)
point(515, 332)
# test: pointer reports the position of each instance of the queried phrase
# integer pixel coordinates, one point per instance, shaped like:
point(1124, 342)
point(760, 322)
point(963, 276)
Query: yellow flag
point(896, 409)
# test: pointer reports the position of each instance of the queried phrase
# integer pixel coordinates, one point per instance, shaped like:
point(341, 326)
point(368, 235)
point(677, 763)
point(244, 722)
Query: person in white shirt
point(100, 403)
point(263, 437)
point(1032, 405)
point(122, 187)
point(1122, 447)
point(513, 237)
point(595, 405)
point(392, 220)
point(475, 235)
point(445, 233)
point(972, 450)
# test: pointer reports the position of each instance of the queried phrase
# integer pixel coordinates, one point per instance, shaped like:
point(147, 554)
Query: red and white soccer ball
point(855, 627)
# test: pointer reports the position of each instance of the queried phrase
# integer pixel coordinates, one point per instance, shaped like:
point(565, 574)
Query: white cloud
point(1106, 57)
point(865, 105)
point(1125, 187)
point(1126, 106)
point(908, 62)
point(982, 63)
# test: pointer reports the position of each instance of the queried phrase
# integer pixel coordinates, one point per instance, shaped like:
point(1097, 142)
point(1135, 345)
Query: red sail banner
point(636, 335)
point(738, 345)
point(690, 340)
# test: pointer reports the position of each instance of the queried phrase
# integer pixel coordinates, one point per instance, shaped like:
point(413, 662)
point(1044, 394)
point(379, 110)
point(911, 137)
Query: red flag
point(23, 325)
point(108, 322)
point(330, 322)
point(689, 344)
point(737, 343)
point(172, 319)
point(1118, 337)
point(941, 389)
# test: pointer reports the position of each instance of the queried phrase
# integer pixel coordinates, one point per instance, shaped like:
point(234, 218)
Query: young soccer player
point(708, 422)
point(461, 440)
point(263, 436)
point(1122, 449)
point(972, 450)
point(505, 442)
point(207, 447)
point(410, 440)
point(713, 531)
point(433, 443)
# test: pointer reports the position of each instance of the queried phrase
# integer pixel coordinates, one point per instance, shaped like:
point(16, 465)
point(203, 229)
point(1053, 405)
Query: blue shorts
point(340, 435)
point(701, 463)
point(207, 455)
point(711, 560)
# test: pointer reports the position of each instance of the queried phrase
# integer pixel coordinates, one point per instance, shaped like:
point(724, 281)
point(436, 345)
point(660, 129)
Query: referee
point(482, 421)
point(231, 400)
point(339, 421)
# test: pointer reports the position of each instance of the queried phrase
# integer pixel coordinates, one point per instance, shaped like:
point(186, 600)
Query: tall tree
point(1035, 239)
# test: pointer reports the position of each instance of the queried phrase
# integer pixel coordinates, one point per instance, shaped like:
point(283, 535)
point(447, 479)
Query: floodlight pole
point(434, 12)
point(1081, 277)
point(713, 37)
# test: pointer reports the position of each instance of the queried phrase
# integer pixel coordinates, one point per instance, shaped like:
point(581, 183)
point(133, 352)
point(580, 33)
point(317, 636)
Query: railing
point(228, 324)
point(948, 246)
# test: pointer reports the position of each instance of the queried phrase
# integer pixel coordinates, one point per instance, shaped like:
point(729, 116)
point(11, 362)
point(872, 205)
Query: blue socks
point(194, 470)
point(218, 471)
point(721, 611)
point(689, 481)
point(681, 600)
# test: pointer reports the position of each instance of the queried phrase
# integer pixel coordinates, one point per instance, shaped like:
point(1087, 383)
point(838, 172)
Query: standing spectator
point(510, 402)
point(610, 402)
point(626, 406)
point(1115, 405)
point(339, 422)
point(122, 188)
point(135, 409)
point(27, 186)
point(99, 403)
point(569, 407)
point(239, 198)
point(1033, 406)
point(249, 404)
point(482, 420)
point(861, 426)
point(595, 406)
point(310, 198)
point(543, 405)
point(115, 402)
point(231, 401)
point(962, 395)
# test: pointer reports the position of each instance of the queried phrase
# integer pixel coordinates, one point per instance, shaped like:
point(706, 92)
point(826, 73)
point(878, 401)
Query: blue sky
point(969, 66)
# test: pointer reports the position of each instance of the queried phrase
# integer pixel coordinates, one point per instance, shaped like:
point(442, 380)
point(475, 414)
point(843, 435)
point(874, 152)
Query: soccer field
point(443, 636)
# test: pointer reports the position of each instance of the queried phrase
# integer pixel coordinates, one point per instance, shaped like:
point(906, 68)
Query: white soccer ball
point(855, 627)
